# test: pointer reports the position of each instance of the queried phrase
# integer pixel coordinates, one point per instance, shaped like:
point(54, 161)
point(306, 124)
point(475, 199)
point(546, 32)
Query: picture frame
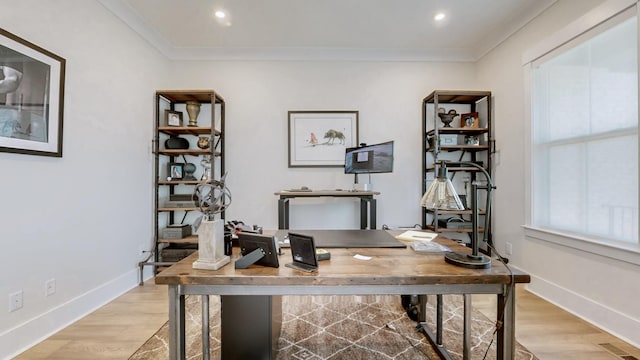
point(173, 118)
point(31, 113)
point(470, 120)
point(320, 138)
point(471, 140)
point(176, 171)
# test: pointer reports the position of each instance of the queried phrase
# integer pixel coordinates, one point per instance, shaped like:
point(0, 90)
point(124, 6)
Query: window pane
point(567, 206)
point(613, 188)
point(591, 88)
point(585, 120)
point(614, 59)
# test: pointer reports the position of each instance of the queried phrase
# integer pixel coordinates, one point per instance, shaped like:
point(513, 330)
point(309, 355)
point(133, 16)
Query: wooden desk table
point(366, 198)
point(390, 271)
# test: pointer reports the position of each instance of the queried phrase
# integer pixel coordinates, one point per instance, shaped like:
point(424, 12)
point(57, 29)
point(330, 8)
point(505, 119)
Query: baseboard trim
point(600, 315)
point(24, 336)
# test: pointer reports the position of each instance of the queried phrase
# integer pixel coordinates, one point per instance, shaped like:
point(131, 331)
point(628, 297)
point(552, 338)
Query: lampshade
point(441, 194)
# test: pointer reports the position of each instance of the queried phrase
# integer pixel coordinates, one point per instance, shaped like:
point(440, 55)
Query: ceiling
point(379, 30)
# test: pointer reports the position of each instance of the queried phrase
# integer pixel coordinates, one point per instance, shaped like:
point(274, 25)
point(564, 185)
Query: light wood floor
point(119, 328)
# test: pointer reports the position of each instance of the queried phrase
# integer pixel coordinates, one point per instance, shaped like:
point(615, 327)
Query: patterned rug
point(343, 327)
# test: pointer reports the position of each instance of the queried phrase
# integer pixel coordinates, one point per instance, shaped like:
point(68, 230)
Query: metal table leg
point(283, 213)
point(439, 304)
point(506, 333)
point(363, 213)
point(372, 213)
point(435, 339)
point(205, 328)
point(176, 323)
point(466, 333)
point(367, 216)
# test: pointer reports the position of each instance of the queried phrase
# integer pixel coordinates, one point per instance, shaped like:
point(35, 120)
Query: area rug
point(344, 327)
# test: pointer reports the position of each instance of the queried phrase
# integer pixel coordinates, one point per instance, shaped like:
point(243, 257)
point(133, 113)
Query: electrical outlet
point(50, 287)
point(15, 301)
point(508, 248)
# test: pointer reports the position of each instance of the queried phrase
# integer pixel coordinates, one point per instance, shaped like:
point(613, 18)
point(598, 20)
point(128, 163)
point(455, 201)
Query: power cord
point(508, 292)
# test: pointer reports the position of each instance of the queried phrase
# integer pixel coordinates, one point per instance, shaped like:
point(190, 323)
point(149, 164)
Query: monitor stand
point(361, 187)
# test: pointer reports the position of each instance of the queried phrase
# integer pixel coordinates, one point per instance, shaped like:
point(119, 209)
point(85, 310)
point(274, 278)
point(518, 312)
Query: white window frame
point(601, 15)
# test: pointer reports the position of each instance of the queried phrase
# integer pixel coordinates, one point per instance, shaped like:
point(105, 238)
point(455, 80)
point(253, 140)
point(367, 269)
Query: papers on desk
point(413, 235)
point(421, 241)
point(429, 246)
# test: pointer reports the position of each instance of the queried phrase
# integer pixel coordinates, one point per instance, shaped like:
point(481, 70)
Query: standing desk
point(394, 271)
point(366, 198)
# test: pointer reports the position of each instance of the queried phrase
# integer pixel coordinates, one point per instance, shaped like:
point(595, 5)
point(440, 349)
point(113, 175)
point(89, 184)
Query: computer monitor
point(369, 159)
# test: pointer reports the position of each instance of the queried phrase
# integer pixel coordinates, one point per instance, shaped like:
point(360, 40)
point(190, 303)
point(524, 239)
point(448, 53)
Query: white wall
point(82, 219)
point(79, 219)
point(602, 290)
point(258, 95)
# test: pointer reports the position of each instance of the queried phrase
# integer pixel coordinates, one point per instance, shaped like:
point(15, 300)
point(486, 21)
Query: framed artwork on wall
point(320, 138)
point(31, 98)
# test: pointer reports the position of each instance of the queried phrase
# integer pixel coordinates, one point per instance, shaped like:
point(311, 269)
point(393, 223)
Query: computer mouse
point(304, 188)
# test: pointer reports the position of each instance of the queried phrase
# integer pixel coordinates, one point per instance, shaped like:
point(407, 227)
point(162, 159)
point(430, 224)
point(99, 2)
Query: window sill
point(629, 253)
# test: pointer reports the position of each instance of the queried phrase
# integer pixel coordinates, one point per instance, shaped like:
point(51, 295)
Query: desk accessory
point(257, 249)
point(415, 235)
point(193, 109)
point(173, 118)
point(206, 166)
point(176, 171)
point(454, 223)
point(176, 142)
point(303, 253)
point(213, 198)
point(204, 142)
point(442, 195)
point(302, 188)
point(323, 254)
point(176, 231)
point(447, 117)
point(428, 246)
point(211, 245)
point(189, 170)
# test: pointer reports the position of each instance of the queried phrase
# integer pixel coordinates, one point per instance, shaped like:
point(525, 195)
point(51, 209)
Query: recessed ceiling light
point(439, 17)
point(220, 14)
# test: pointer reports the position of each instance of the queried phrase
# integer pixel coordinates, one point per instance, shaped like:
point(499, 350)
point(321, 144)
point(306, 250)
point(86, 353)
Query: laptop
point(303, 253)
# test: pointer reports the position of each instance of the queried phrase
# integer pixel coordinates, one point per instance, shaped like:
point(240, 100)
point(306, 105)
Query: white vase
point(211, 246)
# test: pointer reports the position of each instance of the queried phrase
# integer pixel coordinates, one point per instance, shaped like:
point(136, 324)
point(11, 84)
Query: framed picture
point(320, 138)
point(471, 140)
point(470, 120)
point(31, 98)
point(173, 118)
point(176, 171)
